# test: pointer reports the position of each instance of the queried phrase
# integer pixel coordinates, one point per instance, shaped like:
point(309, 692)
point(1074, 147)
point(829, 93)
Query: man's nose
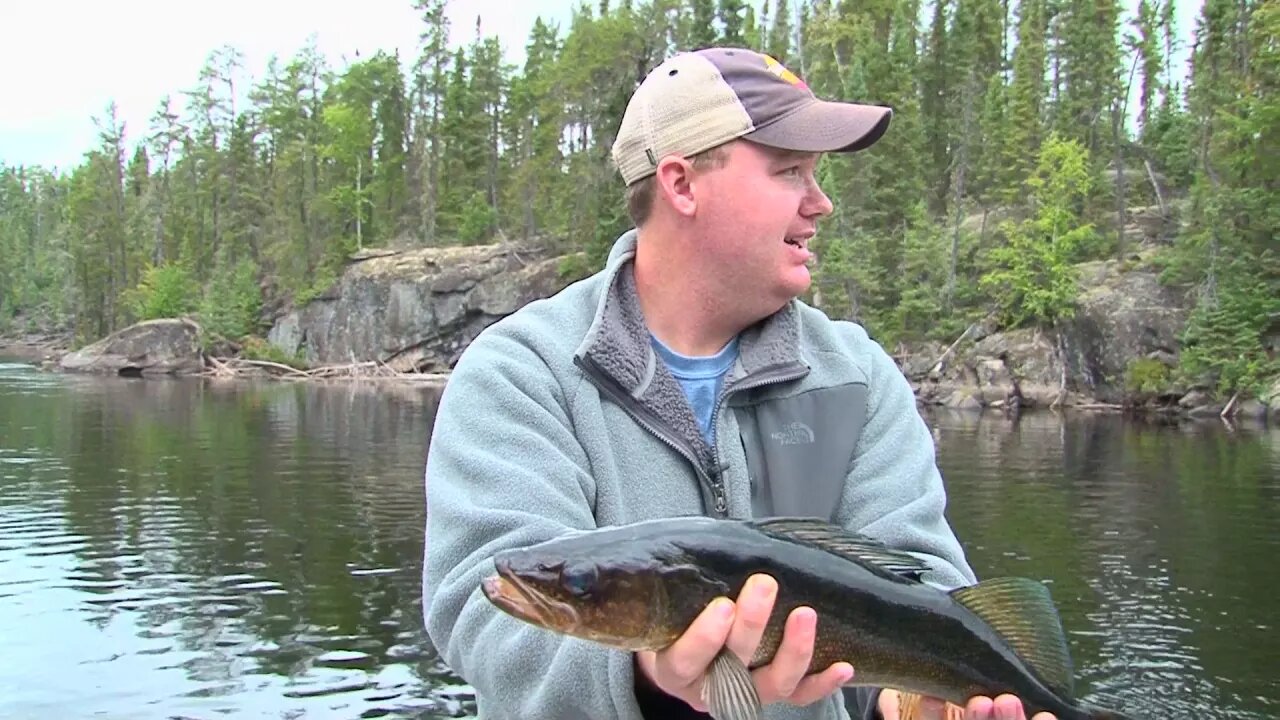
point(817, 203)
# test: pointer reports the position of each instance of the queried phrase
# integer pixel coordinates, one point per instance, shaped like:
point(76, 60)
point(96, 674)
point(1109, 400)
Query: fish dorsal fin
point(847, 544)
point(1021, 610)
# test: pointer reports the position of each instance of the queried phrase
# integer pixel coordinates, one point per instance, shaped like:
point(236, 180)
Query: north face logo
point(796, 433)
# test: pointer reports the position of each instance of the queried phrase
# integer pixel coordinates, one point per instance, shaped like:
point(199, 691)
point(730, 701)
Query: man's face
point(756, 216)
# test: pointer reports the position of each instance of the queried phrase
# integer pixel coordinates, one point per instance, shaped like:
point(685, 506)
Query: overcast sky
point(63, 61)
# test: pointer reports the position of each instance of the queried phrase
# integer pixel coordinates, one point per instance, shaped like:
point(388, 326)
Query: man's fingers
point(779, 679)
point(819, 685)
point(753, 606)
point(686, 660)
point(979, 708)
point(1008, 707)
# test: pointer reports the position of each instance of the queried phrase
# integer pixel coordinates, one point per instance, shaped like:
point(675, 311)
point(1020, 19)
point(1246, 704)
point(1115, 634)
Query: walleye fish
point(639, 586)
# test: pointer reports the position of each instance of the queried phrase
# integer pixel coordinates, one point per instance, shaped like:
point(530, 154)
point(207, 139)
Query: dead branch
point(1164, 209)
point(937, 364)
point(368, 370)
point(1231, 404)
point(269, 365)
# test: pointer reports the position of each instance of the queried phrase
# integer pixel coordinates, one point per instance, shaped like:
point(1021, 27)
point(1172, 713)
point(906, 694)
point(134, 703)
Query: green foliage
point(255, 348)
point(477, 220)
point(1170, 137)
point(165, 291)
point(232, 302)
point(1147, 376)
point(1033, 282)
point(1223, 339)
point(1033, 279)
point(575, 267)
point(324, 281)
point(458, 145)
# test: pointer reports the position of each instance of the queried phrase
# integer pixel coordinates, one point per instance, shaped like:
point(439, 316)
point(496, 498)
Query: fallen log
point(369, 370)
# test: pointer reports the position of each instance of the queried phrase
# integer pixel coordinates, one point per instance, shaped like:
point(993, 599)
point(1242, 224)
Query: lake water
point(185, 548)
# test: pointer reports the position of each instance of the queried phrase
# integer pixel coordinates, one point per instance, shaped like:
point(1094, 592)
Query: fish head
point(629, 595)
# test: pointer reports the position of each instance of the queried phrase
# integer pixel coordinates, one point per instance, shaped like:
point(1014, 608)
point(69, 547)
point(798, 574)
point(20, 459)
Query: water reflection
point(189, 548)
point(1157, 542)
point(182, 547)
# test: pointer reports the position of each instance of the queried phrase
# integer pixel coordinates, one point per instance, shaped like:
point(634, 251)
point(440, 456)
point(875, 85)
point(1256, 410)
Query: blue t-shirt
point(701, 378)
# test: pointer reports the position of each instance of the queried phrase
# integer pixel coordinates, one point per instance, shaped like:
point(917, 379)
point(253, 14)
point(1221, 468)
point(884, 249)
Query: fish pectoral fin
point(728, 691)
point(1021, 610)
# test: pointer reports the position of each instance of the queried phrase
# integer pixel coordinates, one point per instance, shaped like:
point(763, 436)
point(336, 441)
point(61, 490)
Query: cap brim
point(824, 126)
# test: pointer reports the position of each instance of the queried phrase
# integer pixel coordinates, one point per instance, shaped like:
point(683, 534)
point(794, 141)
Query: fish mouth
point(515, 598)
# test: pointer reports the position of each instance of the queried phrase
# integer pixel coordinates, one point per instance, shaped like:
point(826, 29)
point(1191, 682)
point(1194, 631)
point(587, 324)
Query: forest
point(1027, 134)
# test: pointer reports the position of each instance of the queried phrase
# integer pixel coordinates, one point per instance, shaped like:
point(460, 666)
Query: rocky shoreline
point(35, 348)
point(999, 372)
point(408, 314)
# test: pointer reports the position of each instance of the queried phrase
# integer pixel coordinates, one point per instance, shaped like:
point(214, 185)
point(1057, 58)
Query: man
point(685, 378)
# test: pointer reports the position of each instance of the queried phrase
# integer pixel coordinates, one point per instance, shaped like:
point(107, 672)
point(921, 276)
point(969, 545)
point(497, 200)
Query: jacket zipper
point(643, 417)
point(792, 371)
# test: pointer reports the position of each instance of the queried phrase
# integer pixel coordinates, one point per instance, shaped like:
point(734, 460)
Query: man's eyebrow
point(780, 155)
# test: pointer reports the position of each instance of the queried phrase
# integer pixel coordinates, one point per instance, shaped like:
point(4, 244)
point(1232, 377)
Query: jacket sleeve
point(504, 469)
point(894, 491)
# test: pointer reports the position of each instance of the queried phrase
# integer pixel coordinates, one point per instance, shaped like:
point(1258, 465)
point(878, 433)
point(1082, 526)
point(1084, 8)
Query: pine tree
point(1026, 98)
point(732, 19)
point(780, 33)
point(430, 74)
point(702, 31)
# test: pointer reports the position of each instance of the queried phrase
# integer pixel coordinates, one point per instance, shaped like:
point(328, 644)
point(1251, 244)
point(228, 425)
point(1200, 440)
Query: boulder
point(1195, 398)
point(152, 347)
point(1124, 314)
point(1251, 410)
point(961, 400)
point(1271, 398)
point(1013, 368)
point(416, 310)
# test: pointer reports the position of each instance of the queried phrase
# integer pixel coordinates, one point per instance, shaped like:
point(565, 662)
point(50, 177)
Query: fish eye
point(579, 581)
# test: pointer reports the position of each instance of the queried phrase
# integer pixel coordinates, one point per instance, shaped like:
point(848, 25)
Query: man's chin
point(797, 282)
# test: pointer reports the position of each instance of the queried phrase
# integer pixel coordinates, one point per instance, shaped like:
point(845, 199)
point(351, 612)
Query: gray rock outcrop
point(152, 347)
point(1122, 315)
point(416, 310)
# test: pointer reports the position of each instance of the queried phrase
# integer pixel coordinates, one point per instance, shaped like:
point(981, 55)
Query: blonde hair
point(640, 193)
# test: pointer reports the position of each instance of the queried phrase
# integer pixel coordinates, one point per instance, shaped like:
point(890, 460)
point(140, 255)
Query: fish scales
point(640, 586)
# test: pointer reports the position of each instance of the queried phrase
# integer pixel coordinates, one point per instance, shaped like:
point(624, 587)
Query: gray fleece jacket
point(561, 417)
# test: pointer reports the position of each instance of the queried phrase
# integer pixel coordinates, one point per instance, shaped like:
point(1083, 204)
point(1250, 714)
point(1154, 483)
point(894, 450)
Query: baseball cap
point(695, 101)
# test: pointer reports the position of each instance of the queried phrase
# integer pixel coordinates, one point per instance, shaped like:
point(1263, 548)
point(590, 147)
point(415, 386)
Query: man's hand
point(679, 670)
point(896, 706)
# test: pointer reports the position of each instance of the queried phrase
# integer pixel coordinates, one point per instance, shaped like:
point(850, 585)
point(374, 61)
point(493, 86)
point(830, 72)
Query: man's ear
point(674, 178)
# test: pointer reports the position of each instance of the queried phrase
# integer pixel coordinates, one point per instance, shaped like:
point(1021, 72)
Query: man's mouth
point(799, 242)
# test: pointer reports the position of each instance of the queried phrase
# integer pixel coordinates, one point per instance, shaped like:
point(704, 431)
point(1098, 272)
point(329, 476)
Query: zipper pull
point(722, 505)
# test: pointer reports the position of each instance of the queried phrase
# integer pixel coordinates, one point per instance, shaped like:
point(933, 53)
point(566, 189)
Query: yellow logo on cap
point(777, 68)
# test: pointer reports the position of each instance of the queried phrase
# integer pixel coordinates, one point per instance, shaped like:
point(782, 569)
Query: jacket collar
point(618, 340)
